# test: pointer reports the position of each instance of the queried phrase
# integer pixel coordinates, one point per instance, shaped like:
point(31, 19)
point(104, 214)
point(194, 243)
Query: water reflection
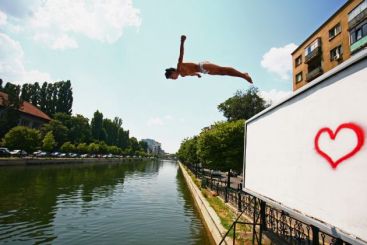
point(97, 203)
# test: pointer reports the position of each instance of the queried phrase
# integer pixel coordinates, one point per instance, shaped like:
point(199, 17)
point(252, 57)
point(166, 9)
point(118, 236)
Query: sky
point(115, 54)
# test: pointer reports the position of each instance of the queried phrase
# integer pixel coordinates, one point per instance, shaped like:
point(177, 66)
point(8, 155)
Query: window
point(299, 77)
point(335, 31)
point(358, 33)
point(298, 60)
point(336, 53)
point(315, 44)
point(357, 10)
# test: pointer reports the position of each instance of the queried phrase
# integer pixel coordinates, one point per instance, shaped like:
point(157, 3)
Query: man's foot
point(247, 77)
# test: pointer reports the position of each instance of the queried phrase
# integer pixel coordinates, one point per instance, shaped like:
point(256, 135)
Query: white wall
point(282, 163)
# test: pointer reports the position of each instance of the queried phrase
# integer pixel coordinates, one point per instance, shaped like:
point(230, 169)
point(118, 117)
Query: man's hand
point(183, 38)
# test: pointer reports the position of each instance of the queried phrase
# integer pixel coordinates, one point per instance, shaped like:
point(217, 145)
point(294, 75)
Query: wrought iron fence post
point(234, 233)
point(262, 216)
point(228, 185)
point(239, 199)
point(315, 235)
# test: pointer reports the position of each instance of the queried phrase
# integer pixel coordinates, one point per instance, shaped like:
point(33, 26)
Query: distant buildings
point(29, 115)
point(154, 147)
point(336, 40)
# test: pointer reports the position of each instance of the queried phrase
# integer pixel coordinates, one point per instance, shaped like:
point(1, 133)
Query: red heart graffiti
point(360, 141)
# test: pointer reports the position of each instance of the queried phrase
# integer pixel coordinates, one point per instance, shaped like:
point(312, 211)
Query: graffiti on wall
point(332, 146)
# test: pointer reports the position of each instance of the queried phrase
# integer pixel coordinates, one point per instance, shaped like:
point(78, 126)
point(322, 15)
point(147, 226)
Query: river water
point(132, 202)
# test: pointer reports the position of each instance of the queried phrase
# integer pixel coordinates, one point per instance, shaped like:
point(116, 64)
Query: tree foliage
point(243, 105)
point(48, 142)
point(59, 131)
point(68, 147)
point(219, 146)
point(188, 151)
point(22, 138)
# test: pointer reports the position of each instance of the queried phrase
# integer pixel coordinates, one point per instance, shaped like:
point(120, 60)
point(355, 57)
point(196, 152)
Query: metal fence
point(274, 222)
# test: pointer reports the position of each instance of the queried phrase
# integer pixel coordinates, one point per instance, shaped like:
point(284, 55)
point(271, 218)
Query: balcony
point(358, 18)
point(361, 43)
point(315, 53)
point(314, 73)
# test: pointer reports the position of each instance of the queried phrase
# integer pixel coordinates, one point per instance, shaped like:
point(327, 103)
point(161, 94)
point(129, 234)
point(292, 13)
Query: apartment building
point(336, 40)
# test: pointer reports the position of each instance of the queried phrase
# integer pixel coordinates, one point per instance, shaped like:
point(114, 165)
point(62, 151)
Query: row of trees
point(74, 133)
point(66, 132)
point(49, 97)
point(29, 139)
point(220, 146)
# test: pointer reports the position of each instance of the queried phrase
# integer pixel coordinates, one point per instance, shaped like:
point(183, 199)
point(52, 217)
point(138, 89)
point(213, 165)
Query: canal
point(132, 202)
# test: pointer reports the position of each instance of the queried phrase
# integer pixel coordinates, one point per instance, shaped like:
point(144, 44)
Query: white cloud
point(160, 121)
point(279, 60)
point(62, 21)
point(274, 96)
point(12, 63)
point(3, 18)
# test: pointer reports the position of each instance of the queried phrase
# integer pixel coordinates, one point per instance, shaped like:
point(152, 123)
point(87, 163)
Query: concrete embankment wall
point(40, 161)
point(210, 217)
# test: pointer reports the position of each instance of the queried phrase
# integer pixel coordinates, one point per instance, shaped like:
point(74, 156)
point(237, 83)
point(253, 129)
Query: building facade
point(340, 37)
point(29, 115)
point(154, 147)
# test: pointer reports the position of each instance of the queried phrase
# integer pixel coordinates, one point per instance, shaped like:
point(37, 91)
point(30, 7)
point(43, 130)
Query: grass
point(225, 213)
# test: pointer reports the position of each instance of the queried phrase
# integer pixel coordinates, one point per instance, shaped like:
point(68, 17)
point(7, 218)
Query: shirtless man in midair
point(193, 69)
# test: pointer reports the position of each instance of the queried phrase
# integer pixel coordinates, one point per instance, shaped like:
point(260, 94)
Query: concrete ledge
point(210, 217)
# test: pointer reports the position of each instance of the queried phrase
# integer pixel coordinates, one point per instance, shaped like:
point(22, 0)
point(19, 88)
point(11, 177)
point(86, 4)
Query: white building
point(153, 146)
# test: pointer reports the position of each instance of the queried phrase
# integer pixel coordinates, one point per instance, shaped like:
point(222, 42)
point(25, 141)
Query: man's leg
point(226, 71)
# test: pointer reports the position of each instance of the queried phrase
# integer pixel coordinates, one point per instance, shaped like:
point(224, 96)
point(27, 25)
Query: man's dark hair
point(169, 72)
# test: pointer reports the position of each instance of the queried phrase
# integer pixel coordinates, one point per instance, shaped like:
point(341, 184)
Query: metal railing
point(273, 222)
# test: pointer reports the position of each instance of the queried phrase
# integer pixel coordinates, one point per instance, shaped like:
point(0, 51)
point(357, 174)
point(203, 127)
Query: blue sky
point(115, 53)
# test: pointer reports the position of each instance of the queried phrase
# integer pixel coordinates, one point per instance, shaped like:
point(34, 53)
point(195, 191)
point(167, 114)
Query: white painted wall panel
point(281, 161)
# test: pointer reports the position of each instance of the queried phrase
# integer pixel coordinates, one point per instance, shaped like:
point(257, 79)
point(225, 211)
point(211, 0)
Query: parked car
point(55, 154)
point(61, 155)
point(42, 154)
point(18, 153)
point(36, 153)
point(4, 152)
point(84, 155)
point(216, 174)
point(72, 155)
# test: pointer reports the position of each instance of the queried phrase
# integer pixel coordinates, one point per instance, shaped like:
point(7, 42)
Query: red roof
point(3, 98)
point(28, 108)
point(25, 107)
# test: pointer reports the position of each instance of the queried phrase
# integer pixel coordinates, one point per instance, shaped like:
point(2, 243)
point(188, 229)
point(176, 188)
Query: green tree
point(114, 150)
point(243, 105)
point(59, 131)
point(221, 145)
point(48, 142)
point(64, 101)
point(22, 138)
point(78, 127)
point(43, 97)
point(82, 148)
point(98, 132)
point(188, 151)
point(67, 147)
point(133, 145)
point(93, 148)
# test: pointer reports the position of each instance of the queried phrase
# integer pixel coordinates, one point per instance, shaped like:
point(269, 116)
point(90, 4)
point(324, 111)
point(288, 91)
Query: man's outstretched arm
point(180, 59)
